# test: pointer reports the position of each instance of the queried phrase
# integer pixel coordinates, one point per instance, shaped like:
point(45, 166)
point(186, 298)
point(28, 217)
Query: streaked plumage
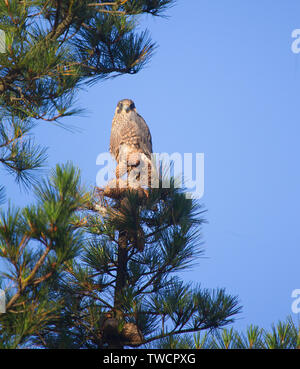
point(129, 131)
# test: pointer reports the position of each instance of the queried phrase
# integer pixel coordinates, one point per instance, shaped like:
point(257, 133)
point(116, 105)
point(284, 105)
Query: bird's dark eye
point(132, 106)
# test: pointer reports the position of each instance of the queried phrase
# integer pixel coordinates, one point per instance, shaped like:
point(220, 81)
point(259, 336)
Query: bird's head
point(125, 106)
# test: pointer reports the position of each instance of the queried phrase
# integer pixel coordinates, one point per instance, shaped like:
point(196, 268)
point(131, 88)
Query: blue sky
point(223, 82)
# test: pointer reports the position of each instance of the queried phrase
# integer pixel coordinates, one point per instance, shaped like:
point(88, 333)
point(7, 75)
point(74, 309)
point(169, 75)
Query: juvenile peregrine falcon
point(130, 140)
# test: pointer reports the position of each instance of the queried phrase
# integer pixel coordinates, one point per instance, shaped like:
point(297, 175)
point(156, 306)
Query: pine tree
point(53, 48)
point(35, 244)
point(89, 271)
point(283, 335)
point(122, 288)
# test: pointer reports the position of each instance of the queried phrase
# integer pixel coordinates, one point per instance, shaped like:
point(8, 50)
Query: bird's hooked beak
point(129, 107)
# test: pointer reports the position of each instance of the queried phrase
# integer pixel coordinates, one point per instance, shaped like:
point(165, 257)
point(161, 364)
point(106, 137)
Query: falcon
point(130, 140)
